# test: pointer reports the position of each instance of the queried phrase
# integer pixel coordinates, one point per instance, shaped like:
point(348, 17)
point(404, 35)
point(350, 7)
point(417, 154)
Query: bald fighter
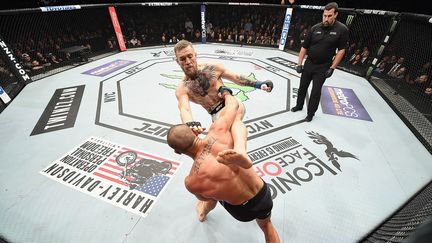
point(220, 173)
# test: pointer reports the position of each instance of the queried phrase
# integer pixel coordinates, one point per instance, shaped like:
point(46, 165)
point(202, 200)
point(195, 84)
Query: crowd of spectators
point(255, 26)
point(41, 44)
point(411, 78)
point(238, 24)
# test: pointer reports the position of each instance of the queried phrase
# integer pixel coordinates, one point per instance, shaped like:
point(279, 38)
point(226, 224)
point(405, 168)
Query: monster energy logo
point(380, 50)
point(349, 20)
point(394, 23)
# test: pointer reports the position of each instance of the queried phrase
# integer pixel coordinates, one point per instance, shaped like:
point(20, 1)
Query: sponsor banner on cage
point(120, 175)
point(312, 7)
point(117, 28)
point(288, 165)
point(203, 24)
point(343, 102)
point(285, 28)
point(61, 111)
point(108, 68)
point(159, 4)
point(60, 8)
point(4, 96)
point(244, 4)
point(14, 63)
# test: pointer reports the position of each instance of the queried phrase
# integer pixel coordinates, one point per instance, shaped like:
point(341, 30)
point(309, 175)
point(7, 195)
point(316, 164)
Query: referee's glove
point(329, 72)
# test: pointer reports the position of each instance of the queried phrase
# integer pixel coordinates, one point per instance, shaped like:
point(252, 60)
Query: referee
point(320, 46)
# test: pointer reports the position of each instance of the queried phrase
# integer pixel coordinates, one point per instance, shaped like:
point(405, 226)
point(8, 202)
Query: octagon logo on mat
point(141, 100)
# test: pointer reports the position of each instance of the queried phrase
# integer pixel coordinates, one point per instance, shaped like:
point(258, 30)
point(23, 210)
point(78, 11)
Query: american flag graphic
point(110, 170)
point(154, 185)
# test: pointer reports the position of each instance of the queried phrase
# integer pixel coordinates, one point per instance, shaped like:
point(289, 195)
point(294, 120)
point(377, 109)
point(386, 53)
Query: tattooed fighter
point(221, 174)
point(200, 85)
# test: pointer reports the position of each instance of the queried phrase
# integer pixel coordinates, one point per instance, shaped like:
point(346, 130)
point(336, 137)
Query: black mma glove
point(222, 89)
point(329, 72)
point(299, 68)
point(195, 127)
point(268, 83)
point(193, 124)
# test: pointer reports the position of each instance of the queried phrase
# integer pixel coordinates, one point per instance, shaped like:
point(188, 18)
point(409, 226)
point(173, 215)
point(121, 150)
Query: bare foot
point(202, 211)
point(230, 156)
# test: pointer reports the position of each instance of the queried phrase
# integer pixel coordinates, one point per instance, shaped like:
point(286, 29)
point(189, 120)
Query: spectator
point(303, 35)
point(384, 61)
point(26, 62)
point(209, 27)
point(220, 38)
point(42, 60)
point(241, 39)
point(422, 74)
point(357, 61)
point(197, 36)
point(143, 38)
point(399, 73)
point(35, 65)
point(352, 57)
point(212, 35)
point(350, 52)
point(421, 83)
point(250, 39)
point(248, 26)
point(290, 1)
point(182, 36)
point(229, 38)
point(173, 40)
point(428, 91)
point(380, 68)
point(110, 45)
point(5, 75)
point(395, 67)
point(390, 63)
point(134, 42)
point(189, 27)
point(163, 39)
point(53, 58)
point(365, 56)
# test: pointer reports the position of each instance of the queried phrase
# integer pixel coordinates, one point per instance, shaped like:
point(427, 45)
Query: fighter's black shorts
point(259, 206)
point(218, 108)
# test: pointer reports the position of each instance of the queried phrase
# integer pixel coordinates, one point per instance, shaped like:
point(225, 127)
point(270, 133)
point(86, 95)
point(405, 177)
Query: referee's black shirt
point(321, 43)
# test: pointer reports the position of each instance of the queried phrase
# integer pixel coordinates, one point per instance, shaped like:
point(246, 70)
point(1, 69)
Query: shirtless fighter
point(200, 85)
point(219, 173)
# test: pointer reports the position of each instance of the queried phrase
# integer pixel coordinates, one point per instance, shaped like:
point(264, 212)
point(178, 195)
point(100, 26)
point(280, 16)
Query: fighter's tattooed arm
point(243, 80)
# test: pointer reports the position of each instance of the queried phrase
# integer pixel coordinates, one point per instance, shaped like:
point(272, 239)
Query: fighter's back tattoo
point(204, 153)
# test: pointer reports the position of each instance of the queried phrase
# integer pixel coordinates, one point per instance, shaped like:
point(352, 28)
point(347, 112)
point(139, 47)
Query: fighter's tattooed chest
point(200, 84)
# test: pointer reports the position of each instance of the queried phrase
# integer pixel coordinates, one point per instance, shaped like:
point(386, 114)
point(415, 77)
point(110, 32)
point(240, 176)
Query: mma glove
point(223, 89)
point(194, 124)
point(267, 83)
point(299, 68)
point(329, 72)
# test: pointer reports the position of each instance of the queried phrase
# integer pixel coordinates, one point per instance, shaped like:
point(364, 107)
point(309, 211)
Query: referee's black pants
point(316, 73)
